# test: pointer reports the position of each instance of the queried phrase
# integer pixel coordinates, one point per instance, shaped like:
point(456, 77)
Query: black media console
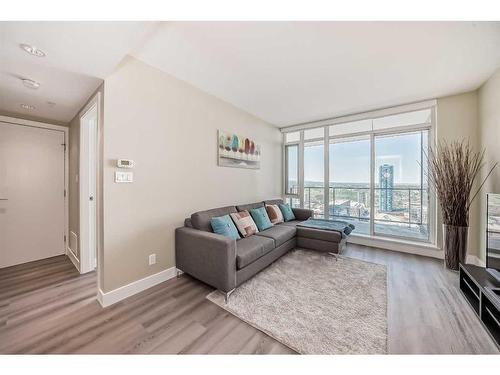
point(482, 291)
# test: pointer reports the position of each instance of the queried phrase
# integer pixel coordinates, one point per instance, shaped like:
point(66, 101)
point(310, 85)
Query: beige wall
point(457, 119)
point(169, 129)
point(489, 123)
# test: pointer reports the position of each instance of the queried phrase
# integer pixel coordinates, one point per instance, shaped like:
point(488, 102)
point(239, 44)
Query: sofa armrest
point(206, 256)
point(302, 213)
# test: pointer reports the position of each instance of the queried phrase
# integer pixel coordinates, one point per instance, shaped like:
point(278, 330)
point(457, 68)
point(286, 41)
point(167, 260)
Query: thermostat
point(125, 163)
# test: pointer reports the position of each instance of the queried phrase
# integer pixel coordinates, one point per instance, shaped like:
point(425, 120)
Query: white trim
point(87, 219)
point(35, 124)
point(109, 298)
point(361, 116)
point(71, 255)
point(65, 130)
point(409, 247)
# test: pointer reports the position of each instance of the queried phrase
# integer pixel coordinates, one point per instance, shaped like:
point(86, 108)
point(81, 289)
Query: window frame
point(431, 141)
point(285, 158)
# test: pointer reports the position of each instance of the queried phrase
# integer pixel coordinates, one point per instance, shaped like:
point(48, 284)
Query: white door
point(88, 189)
point(32, 217)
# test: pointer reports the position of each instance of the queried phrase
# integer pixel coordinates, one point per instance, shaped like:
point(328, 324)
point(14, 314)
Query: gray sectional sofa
point(225, 263)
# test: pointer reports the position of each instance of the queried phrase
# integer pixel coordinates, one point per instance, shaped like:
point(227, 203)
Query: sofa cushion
point(201, 220)
point(250, 206)
point(274, 213)
point(244, 222)
point(279, 233)
point(261, 219)
point(319, 234)
point(292, 223)
point(287, 212)
point(249, 249)
point(224, 226)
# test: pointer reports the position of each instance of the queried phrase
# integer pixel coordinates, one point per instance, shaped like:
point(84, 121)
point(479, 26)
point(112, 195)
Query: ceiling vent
point(29, 83)
point(32, 50)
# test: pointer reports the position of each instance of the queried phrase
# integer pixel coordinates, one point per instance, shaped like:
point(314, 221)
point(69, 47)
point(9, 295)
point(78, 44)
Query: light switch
point(124, 177)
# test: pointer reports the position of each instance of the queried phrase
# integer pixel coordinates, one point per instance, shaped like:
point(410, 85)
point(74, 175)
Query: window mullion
point(301, 168)
point(372, 184)
point(326, 184)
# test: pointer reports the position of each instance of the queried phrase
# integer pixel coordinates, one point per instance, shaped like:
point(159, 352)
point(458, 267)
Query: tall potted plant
point(453, 171)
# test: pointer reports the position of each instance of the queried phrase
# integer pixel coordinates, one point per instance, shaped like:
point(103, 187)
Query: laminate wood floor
point(47, 307)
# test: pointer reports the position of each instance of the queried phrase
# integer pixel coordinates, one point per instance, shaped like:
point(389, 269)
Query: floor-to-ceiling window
point(370, 171)
point(349, 197)
point(314, 171)
point(401, 199)
point(292, 183)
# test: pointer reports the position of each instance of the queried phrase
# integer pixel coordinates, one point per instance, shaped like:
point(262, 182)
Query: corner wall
point(489, 124)
point(457, 120)
point(169, 129)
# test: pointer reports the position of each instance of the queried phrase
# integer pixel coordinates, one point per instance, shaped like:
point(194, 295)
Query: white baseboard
point(73, 258)
point(401, 246)
point(411, 248)
point(113, 296)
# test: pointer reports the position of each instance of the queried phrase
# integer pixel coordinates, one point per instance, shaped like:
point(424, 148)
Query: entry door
point(32, 213)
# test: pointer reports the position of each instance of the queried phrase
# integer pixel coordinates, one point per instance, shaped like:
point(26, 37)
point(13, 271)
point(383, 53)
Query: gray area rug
point(315, 304)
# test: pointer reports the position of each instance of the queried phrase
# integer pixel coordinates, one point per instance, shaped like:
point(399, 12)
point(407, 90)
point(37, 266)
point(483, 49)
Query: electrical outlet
point(152, 259)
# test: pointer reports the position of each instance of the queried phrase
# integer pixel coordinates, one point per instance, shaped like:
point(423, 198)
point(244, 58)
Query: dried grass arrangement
point(454, 171)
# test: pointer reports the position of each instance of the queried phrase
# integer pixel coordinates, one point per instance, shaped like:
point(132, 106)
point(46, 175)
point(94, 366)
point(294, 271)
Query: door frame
point(86, 261)
point(65, 130)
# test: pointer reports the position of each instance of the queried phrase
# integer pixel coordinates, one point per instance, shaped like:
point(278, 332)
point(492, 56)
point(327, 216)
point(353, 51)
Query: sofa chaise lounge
point(226, 263)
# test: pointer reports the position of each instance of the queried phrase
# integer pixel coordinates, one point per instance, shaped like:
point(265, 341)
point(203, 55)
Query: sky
point(350, 161)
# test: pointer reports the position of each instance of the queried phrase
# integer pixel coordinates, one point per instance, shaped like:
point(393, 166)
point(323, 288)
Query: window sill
point(405, 246)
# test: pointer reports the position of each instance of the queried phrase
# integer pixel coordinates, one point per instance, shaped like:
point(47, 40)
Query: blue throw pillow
point(287, 212)
point(261, 219)
point(225, 226)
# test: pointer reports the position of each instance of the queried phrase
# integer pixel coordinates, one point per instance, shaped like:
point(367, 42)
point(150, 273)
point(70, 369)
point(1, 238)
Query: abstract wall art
point(237, 151)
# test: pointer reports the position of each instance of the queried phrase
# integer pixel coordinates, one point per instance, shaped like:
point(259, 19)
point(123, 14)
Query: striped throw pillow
point(274, 213)
point(245, 224)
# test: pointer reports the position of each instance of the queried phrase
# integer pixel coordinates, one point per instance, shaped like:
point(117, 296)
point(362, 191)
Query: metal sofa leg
point(227, 294)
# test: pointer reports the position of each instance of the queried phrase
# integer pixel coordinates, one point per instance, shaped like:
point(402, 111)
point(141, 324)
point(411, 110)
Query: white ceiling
point(292, 72)
point(283, 72)
point(79, 56)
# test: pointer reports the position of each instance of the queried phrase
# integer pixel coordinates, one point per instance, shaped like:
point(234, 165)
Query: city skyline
point(350, 161)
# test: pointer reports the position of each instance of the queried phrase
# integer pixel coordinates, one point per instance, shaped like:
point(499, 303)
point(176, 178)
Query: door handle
point(91, 198)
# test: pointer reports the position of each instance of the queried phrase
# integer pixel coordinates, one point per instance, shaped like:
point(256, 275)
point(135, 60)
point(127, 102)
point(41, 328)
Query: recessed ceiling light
point(27, 106)
point(29, 83)
point(32, 50)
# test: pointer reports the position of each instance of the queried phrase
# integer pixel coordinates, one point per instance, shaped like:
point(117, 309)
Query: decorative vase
point(454, 245)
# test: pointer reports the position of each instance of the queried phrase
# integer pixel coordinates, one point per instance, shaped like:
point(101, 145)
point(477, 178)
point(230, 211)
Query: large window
point(401, 199)
point(372, 172)
point(314, 182)
point(349, 196)
point(292, 169)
